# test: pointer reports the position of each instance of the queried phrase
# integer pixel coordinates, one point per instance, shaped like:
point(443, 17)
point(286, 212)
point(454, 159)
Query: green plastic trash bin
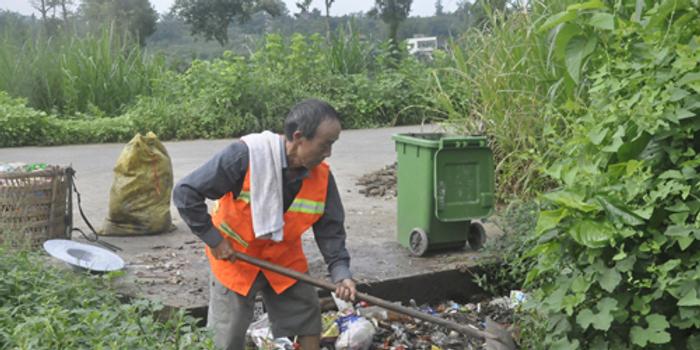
point(444, 182)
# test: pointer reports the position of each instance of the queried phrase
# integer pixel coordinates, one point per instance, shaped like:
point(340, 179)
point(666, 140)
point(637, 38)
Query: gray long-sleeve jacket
point(225, 173)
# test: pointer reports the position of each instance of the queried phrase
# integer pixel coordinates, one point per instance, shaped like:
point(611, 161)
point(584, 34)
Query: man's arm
point(221, 174)
point(329, 232)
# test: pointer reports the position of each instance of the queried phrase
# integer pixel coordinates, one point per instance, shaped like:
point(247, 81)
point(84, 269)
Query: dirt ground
point(172, 268)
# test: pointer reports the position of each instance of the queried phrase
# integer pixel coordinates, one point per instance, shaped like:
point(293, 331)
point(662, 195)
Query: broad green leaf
point(565, 32)
point(571, 200)
point(577, 49)
point(565, 344)
point(671, 174)
point(678, 207)
point(655, 333)
point(689, 78)
point(597, 134)
point(618, 214)
point(669, 265)
point(580, 284)
point(657, 328)
point(585, 318)
point(606, 307)
point(591, 233)
point(678, 94)
point(549, 219)
point(557, 19)
point(590, 5)
point(644, 213)
point(684, 114)
point(679, 218)
point(569, 176)
point(689, 299)
point(620, 255)
point(626, 264)
point(641, 305)
point(685, 242)
point(600, 321)
point(609, 280)
point(679, 231)
point(603, 21)
point(616, 140)
point(630, 150)
point(638, 336)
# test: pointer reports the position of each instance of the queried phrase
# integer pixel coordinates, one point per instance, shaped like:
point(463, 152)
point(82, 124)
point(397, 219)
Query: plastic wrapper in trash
point(517, 298)
point(261, 335)
point(356, 333)
point(344, 307)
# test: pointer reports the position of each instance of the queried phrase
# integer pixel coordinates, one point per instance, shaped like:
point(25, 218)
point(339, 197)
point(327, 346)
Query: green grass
point(43, 307)
point(498, 81)
point(67, 73)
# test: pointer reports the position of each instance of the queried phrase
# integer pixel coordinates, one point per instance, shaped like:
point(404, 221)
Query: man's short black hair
point(306, 116)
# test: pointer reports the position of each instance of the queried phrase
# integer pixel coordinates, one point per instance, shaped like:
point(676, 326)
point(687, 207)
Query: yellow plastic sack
point(139, 201)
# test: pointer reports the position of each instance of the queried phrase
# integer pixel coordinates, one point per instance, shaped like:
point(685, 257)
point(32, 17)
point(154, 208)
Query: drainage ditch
point(450, 294)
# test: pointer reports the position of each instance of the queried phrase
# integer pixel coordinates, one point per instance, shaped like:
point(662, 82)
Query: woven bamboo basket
point(35, 206)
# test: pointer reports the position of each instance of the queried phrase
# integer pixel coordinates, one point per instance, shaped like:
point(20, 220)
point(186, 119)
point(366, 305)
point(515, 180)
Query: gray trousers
point(295, 312)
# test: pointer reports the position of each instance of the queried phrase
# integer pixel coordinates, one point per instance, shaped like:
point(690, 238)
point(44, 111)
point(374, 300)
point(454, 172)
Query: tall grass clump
point(497, 80)
point(68, 73)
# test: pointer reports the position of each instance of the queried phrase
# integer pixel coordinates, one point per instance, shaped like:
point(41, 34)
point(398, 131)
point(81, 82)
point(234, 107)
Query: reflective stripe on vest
point(232, 217)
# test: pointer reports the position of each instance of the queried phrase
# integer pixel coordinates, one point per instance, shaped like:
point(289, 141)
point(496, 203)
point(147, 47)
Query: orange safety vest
point(232, 217)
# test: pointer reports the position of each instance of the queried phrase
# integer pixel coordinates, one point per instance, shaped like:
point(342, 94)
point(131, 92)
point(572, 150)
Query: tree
point(392, 12)
point(211, 18)
point(137, 17)
point(477, 14)
point(43, 6)
point(328, 4)
point(304, 7)
point(64, 7)
point(439, 9)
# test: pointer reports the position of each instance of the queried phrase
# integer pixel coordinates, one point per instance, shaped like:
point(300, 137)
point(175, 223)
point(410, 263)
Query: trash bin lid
point(463, 179)
point(83, 255)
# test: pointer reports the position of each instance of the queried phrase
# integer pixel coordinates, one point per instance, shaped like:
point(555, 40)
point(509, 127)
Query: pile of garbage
point(379, 183)
point(362, 326)
point(18, 167)
point(21, 168)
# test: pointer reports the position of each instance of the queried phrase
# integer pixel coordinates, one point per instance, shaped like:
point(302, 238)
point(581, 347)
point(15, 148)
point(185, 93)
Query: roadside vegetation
point(591, 108)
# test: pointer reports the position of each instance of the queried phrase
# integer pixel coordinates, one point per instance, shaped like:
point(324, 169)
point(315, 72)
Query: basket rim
point(50, 171)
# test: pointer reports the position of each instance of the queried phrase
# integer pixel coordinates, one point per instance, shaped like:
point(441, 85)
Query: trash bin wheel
point(418, 242)
point(476, 236)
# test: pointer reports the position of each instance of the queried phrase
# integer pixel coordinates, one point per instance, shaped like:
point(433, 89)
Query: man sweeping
point(270, 189)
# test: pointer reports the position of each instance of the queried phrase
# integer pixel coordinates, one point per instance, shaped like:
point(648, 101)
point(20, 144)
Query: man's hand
point(346, 290)
point(224, 251)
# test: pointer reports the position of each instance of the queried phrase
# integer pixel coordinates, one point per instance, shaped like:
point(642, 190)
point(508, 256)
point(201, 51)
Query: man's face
point(311, 152)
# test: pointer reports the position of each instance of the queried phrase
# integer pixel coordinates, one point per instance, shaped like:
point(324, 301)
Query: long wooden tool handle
point(466, 330)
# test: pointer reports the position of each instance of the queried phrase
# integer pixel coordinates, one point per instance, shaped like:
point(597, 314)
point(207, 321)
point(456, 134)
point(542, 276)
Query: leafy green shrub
point(19, 124)
point(24, 126)
point(618, 244)
point(92, 130)
point(235, 95)
point(46, 308)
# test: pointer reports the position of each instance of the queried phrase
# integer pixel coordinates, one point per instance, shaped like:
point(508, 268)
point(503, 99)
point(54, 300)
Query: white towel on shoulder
point(265, 166)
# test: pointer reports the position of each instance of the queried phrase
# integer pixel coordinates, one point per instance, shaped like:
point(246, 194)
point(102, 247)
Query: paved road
point(171, 266)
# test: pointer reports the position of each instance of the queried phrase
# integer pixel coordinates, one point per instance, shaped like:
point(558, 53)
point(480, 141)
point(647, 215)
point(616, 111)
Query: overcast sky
point(340, 7)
